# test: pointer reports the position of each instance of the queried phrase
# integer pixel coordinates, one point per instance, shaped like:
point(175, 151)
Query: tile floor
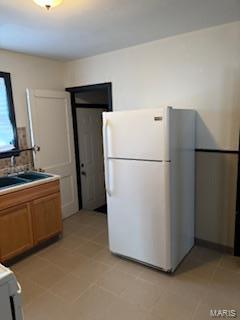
point(77, 278)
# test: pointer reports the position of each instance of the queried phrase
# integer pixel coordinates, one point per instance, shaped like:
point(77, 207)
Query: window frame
point(14, 152)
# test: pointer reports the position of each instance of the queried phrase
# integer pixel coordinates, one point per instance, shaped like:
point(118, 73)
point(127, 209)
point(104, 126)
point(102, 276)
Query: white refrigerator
point(149, 176)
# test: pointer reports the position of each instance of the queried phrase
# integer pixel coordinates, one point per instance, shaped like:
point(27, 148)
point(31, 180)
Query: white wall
point(29, 72)
point(199, 70)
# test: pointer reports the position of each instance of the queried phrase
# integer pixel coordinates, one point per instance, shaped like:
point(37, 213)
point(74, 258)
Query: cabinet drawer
point(28, 194)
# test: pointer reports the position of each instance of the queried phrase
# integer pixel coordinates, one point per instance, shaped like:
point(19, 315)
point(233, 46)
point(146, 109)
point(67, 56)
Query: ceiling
point(83, 28)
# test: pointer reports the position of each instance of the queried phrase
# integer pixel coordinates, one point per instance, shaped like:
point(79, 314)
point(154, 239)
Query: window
point(8, 130)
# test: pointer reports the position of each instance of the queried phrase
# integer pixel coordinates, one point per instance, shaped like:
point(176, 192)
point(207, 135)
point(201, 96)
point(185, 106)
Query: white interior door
point(52, 130)
point(89, 122)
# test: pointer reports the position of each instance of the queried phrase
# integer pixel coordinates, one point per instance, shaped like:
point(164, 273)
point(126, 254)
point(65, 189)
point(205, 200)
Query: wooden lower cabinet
point(46, 216)
point(16, 235)
point(29, 217)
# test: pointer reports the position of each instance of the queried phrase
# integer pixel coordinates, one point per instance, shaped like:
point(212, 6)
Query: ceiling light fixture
point(48, 4)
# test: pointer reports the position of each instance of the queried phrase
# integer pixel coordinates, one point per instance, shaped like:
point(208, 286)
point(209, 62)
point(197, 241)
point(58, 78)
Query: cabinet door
point(46, 215)
point(15, 231)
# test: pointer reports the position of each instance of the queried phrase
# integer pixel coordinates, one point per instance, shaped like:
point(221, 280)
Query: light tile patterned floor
point(78, 279)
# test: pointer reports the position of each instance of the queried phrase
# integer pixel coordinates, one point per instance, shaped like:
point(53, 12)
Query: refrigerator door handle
point(105, 131)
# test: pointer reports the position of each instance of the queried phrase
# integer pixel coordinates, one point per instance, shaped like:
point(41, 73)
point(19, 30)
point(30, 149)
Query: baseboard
point(31, 251)
point(214, 246)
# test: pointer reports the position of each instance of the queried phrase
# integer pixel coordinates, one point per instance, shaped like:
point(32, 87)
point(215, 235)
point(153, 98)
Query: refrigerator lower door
point(138, 211)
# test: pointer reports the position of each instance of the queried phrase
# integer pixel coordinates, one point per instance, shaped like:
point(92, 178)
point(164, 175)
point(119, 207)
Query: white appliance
point(10, 296)
point(149, 176)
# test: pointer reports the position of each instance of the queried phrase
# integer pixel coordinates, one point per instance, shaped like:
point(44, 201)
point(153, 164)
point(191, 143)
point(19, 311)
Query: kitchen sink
point(32, 176)
point(21, 178)
point(10, 181)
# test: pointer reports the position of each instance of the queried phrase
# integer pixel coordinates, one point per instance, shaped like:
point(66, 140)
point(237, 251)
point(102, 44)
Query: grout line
point(196, 310)
point(38, 297)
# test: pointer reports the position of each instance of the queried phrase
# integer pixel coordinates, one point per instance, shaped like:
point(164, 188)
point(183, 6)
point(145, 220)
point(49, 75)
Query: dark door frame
point(87, 88)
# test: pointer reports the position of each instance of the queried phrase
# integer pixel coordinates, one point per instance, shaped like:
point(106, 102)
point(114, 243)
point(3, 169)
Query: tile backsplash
point(25, 159)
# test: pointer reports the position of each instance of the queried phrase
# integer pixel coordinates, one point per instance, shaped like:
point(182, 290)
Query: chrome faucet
point(13, 164)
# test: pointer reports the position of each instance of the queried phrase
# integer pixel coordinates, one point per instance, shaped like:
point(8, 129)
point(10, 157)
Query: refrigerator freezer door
point(137, 134)
point(138, 211)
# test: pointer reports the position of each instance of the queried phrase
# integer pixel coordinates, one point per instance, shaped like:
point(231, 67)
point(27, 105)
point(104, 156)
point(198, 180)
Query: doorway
point(88, 104)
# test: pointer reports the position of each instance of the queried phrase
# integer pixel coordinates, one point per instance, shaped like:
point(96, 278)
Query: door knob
point(36, 148)
point(83, 173)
